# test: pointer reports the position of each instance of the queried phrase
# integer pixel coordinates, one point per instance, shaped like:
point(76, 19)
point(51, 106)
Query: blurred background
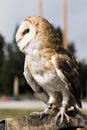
point(69, 19)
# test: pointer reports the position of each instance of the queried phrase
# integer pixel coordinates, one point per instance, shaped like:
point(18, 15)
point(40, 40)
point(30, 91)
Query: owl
point(50, 70)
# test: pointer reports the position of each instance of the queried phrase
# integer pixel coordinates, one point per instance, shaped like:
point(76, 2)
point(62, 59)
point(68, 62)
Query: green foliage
point(83, 77)
point(2, 43)
point(13, 65)
point(60, 35)
point(71, 48)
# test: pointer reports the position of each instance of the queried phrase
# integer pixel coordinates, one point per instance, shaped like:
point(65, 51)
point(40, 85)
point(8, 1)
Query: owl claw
point(40, 114)
point(61, 114)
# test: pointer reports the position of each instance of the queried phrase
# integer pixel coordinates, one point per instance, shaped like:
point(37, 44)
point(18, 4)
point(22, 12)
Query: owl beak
point(18, 40)
point(18, 37)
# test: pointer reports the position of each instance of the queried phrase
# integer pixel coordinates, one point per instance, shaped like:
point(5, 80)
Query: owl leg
point(50, 105)
point(61, 114)
point(45, 98)
point(49, 101)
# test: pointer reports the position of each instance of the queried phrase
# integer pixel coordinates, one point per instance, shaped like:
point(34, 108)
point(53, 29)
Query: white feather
point(25, 40)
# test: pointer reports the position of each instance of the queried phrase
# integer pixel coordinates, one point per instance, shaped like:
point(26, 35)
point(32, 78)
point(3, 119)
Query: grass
point(84, 111)
point(7, 113)
point(11, 113)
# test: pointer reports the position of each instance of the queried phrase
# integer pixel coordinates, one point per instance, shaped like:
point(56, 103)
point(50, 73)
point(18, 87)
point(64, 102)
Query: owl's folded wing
point(67, 69)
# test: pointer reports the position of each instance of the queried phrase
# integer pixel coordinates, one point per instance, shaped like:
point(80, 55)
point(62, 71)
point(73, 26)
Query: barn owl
point(49, 69)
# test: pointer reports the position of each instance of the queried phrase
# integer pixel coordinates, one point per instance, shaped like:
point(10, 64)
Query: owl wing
point(67, 69)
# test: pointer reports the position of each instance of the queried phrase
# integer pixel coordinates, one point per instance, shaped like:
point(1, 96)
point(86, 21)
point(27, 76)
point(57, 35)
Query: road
point(28, 104)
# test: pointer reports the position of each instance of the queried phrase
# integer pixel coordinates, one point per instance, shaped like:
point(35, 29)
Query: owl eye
point(26, 31)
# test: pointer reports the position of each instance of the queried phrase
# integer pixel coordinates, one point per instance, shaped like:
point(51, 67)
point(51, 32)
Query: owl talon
point(61, 114)
point(40, 114)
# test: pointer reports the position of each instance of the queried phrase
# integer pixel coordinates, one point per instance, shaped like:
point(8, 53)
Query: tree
point(2, 43)
point(83, 76)
point(13, 66)
point(60, 35)
point(2, 57)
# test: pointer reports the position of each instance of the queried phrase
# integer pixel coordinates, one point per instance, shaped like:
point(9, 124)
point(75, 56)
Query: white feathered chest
point(42, 69)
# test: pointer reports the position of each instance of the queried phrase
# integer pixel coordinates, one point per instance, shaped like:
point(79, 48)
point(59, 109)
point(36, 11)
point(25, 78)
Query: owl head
point(34, 29)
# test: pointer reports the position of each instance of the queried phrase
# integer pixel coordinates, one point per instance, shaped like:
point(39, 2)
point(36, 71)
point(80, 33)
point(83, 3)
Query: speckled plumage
point(49, 69)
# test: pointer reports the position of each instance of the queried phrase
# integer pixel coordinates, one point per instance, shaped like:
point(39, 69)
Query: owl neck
point(37, 49)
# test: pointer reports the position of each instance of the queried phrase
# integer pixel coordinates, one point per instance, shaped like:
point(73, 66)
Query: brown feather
point(68, 66)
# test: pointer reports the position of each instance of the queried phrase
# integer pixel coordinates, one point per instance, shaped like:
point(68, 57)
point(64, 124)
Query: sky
point(12, 12)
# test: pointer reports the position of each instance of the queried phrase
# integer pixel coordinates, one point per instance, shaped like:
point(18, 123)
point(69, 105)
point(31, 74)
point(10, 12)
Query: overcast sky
point(12, 12)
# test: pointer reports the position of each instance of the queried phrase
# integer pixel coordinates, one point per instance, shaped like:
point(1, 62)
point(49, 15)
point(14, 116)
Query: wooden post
point(16, 87)
point(40, 7)
point(64, 8)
